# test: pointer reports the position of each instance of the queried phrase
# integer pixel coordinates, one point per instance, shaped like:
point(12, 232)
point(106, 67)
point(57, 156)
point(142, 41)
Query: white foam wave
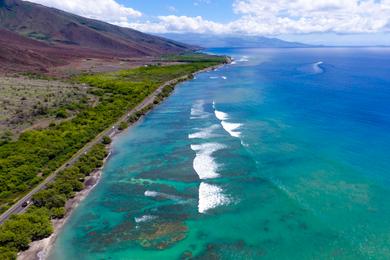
point(231, 128)
point(224, 77)
point(204, 163)
point(221, 115)
point(317, 68)
point(244, 59)
point(149, 193)
point(144, 218)
point(155, 194)
point(204, 133)
point(197, 110)
point(210, 196)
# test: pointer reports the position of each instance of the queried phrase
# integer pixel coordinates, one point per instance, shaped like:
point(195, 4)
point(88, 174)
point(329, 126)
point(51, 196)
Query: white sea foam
point(317, 68)
point(244, 59)
point(231, 128)
point(221, 115)
point(144, 218)
point(204, 133)
point(224, 77)
point(197, 110)
point(149, 193)
point(210, 196)
point(155, 194)
point(213, 77)
point(204, 163)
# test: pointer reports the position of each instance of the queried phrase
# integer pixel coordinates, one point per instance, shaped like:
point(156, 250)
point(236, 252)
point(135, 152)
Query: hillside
point(19, 53)
point(35, 36)
point(231, 41)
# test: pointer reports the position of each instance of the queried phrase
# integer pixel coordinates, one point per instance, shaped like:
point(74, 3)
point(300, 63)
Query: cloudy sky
point(351, 22)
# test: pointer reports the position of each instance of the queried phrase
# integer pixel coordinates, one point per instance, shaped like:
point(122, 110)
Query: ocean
point(283, 154)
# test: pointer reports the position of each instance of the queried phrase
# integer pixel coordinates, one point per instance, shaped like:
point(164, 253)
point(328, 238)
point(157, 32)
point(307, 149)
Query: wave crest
point(210, 196)
point(204, 163)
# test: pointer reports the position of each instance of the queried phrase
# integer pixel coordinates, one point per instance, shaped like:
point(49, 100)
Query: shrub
point(106, 140)
point(61, 114)
point(122, 126)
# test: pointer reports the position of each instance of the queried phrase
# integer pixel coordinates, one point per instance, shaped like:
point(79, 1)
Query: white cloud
point(173, 23)
point(255, 17)
point(106, 10)
point(307, 16)
point(275, 17)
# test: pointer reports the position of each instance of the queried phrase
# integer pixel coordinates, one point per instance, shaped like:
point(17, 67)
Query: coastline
point(40, 249)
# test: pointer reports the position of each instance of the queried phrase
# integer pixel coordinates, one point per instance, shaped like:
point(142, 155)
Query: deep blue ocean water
point(283, 154)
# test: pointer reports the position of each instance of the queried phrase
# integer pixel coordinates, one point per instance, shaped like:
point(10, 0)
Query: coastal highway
point(111, 131)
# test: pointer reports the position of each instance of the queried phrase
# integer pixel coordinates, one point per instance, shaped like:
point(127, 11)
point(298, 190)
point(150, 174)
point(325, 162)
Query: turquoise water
point(282, 155)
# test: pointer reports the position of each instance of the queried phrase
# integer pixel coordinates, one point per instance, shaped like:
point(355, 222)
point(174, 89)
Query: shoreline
point(40, 249)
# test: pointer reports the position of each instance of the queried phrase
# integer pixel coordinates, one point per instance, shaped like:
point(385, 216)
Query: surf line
point(231, 128)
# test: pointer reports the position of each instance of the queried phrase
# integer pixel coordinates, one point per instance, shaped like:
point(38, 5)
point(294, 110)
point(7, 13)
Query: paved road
point(18, 208)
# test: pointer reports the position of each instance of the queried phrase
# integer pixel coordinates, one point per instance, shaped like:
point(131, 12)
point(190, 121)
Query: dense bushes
point(106, 140)
point(122, 126)
point(20, 230)
point(17, 232)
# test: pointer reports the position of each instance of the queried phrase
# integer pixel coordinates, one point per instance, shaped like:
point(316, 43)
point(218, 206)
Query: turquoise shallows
point(283, 154)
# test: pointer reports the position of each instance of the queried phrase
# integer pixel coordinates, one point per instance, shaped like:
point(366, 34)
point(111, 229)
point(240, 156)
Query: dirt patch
point(32, 103)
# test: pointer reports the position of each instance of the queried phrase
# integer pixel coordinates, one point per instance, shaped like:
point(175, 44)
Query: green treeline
point(37, 153)
point(20, 230)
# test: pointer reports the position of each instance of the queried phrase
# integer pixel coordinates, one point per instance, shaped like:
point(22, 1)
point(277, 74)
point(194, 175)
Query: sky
point(333, 22)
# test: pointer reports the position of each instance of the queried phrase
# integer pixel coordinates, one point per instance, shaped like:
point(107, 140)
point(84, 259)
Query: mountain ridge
point(232, 41)
point(68, 36)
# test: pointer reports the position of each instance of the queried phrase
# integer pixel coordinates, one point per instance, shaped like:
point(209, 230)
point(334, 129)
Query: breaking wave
point(144, 218)
point(231, 128)
point(210, 196)
point(204, 163)
point(204, 133)
point(197, 110)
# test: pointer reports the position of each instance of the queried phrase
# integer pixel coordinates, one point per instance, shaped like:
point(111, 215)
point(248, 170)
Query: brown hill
point(18, 53)
point(50, 37)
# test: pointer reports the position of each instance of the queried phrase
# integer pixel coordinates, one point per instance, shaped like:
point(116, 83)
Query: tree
point(49, 199)
point(106, 140)
point(122, 126)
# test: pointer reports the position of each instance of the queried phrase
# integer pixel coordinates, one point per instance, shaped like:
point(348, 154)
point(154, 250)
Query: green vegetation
point(106, 140)
point(194, 57)
point(35, 102)
point(122, 126)
point(37, 153)
point(17, 232)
